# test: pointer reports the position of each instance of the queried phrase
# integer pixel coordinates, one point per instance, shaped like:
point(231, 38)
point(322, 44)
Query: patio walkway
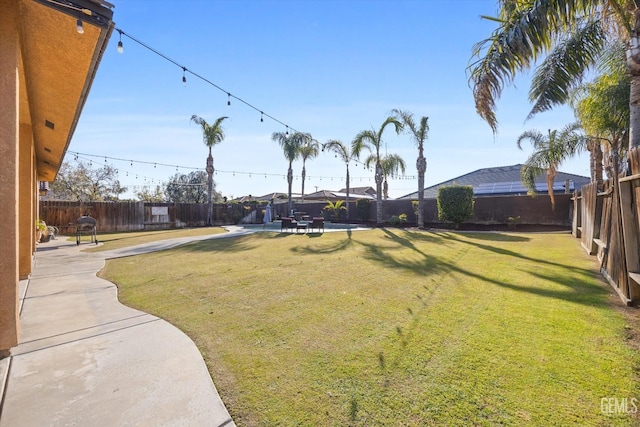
point(85, 359)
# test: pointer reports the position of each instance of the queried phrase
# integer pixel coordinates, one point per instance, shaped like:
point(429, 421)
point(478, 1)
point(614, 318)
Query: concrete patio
point(85, 359)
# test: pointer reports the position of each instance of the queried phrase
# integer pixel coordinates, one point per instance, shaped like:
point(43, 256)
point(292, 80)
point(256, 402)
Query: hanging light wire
point(88, 157)
point(204, 79)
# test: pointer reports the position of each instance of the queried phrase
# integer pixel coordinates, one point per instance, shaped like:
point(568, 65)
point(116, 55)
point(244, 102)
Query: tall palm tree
point(392, 166)
point(309, 149)
point(341, 151)
point(290, 144)
point(419, 133)
point(211, 135)
point(550, 151)
point(372, 141)
point(575, 35)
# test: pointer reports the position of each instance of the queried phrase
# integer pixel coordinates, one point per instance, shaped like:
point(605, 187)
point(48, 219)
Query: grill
point(87, 225)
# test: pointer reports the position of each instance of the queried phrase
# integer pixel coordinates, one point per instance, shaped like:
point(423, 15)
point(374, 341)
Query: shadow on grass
point(579, 290)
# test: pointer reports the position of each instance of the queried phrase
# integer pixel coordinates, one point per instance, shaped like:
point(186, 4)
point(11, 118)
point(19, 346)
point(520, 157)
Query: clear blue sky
point(330, 68)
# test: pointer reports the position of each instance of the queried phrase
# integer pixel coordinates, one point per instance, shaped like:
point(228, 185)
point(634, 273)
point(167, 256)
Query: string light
point(287, 132)
point(84, 156)
point(120, 46)
point(204, 79)
point(79, 27)
point(184, 77)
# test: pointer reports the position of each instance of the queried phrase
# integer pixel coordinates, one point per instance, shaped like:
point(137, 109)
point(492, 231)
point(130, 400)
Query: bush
point(362, 208)
point(455, 204)
point(398, 219)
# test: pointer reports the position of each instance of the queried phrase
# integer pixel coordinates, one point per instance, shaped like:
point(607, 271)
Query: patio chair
point(288, 224)
point(317, 223)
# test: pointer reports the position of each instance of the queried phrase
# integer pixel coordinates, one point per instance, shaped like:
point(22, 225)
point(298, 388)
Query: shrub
point(335, 208)
point(513, 221)
point(362, 208)
point(455, 204)
point(398, 219)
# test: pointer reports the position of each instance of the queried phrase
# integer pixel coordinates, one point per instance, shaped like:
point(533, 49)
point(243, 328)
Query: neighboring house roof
point(360, 190)
point(337, 195)
point(503, 180)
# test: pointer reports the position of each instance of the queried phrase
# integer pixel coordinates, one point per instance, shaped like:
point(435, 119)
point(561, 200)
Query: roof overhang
point(57, 69)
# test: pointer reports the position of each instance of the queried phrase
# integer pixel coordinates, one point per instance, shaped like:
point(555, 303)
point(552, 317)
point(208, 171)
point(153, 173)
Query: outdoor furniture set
point(317, 223)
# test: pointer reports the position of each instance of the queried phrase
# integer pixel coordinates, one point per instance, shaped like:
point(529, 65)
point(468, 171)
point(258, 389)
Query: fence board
point(590, 225)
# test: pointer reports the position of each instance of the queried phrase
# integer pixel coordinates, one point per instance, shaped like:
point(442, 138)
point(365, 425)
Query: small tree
point(335, 208)
point(455, 204)
point(191, 188)
point(84, 183)
point(150, 194)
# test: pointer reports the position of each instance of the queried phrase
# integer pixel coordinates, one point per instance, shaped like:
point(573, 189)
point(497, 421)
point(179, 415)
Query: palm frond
point(526, 30)
point(363, 140)
point(534, 136)
point(392, 164)
point(370, 160)
point(338, 148)
point(565, 67)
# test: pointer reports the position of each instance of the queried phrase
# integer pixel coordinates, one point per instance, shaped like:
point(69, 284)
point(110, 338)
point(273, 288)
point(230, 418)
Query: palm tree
point(341, 151)
point(335, 208)
point(550, 152)
point(602, 107)
point(211, 135)
point(372, 141)
point(308, 150)
point(575, 35)
point(392, 165)
point(291, 146)
point(419, 134)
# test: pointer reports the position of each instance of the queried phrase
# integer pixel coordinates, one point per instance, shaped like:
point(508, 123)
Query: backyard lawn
point(395, 327)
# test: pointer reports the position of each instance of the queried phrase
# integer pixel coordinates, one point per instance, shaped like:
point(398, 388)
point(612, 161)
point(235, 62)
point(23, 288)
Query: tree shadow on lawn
point(578, 291)
point(507, 252)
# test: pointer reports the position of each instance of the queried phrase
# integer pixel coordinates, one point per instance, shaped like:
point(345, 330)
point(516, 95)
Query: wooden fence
point(136, 216)
point(606, 219)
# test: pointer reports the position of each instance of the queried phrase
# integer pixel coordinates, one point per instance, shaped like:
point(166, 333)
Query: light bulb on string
point(261, 117)
point(287, 132)
point(120, 48)
point(184, 77)
point(79, 27)
point(228, 99)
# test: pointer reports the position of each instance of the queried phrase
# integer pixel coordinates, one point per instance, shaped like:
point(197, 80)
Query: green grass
point(392, 327)
point(123, 239)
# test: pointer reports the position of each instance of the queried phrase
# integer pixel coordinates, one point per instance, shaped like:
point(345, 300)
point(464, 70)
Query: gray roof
point(503, 180)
